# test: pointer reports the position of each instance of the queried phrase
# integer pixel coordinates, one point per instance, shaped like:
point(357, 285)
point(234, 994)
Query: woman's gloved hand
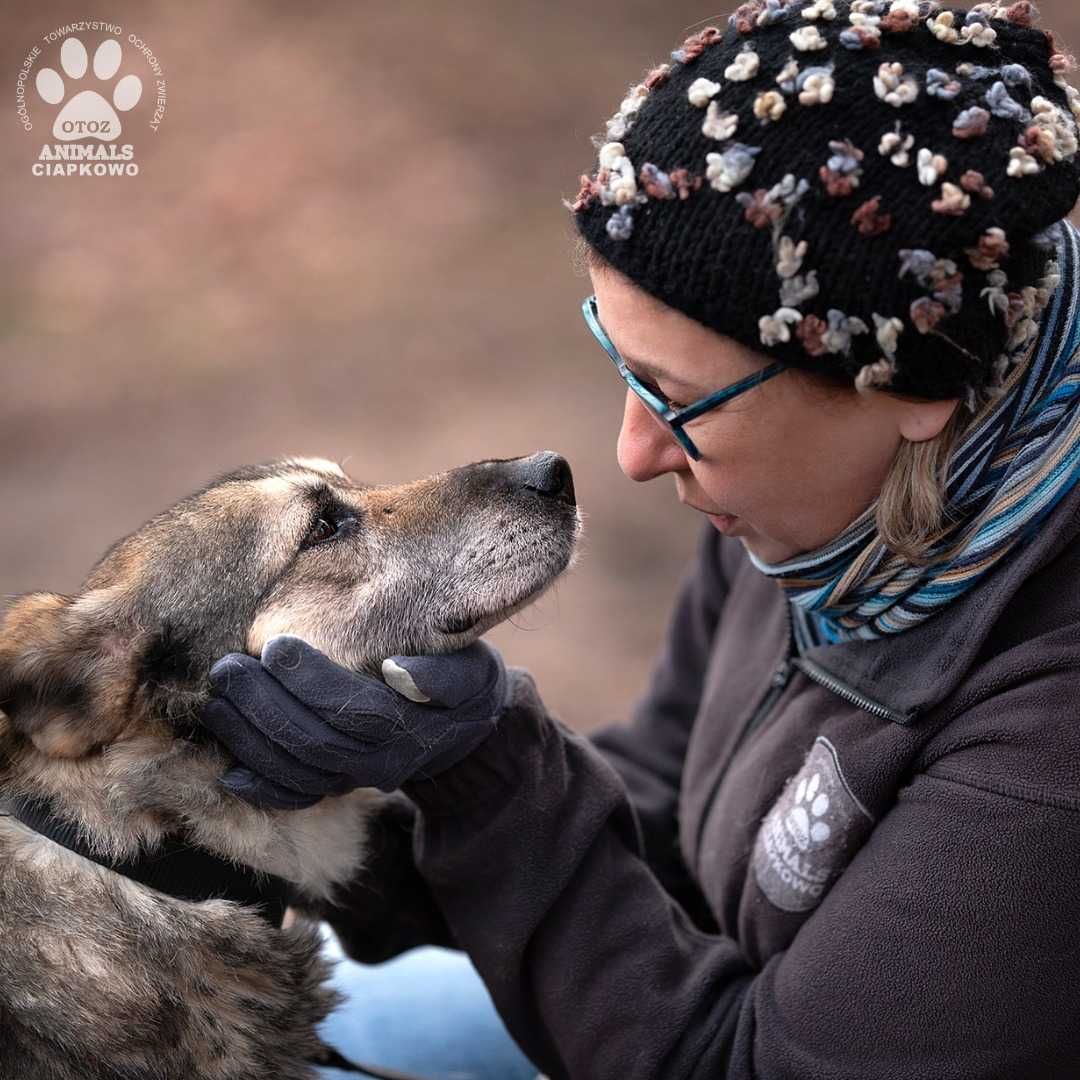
point(301, 726)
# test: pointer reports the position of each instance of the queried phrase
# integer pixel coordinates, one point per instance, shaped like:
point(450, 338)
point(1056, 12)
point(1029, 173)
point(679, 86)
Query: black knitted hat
point(860, 188)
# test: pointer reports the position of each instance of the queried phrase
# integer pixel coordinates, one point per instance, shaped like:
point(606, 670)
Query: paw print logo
point(88, 114)
point(803, 819)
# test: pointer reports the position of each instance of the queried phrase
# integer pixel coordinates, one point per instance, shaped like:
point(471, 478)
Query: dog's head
point(291, 547)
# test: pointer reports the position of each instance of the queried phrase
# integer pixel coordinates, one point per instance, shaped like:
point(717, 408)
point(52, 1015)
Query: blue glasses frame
point(659, 406)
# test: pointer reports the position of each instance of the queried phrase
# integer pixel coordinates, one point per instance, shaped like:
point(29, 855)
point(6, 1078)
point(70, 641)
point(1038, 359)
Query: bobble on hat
point(841, 183)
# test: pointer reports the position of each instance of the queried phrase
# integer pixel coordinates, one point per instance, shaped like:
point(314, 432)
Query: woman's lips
point(723, 522)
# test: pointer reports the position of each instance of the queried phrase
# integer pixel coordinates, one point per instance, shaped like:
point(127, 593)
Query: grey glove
point(302, 727)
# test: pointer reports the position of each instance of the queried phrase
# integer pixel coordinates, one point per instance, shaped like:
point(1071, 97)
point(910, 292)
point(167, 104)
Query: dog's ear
point(171, 682)
point(65, 672)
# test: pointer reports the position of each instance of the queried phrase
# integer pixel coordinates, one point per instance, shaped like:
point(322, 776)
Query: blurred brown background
point(346, 240)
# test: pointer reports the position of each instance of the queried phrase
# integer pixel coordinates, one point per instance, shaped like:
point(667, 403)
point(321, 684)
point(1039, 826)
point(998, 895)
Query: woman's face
point(792, 462)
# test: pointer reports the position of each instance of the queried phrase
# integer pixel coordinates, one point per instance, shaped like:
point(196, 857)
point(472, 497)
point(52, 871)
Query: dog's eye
point(324, 529)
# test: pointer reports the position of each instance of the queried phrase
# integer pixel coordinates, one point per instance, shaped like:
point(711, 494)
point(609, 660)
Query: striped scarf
point(1011, 468)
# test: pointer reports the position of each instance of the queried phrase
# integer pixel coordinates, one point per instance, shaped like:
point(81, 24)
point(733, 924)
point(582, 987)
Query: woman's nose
point(645, 448)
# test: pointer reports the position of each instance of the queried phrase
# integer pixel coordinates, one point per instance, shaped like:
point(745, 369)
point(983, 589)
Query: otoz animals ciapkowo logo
point(88, 103)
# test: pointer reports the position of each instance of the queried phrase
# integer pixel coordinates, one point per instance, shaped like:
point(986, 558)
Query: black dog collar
point(176, 867)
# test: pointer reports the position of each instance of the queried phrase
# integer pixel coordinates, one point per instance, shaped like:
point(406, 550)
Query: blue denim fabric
point(425, 1012)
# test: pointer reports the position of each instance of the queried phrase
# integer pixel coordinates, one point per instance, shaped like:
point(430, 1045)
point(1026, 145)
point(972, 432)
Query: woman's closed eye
point(671, 403)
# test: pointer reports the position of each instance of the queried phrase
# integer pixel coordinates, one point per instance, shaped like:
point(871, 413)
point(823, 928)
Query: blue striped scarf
point(1009, 471)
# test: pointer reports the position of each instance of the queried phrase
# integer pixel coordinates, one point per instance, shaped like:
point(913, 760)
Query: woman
point(839, 837)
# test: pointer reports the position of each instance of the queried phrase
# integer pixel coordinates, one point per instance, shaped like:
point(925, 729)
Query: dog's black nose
point(548, 474)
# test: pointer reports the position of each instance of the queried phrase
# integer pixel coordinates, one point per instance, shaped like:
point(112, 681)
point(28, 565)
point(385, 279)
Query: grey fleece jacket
point(858, 863)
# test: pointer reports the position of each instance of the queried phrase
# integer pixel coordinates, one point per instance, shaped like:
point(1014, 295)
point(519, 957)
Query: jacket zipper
point(831, 682)
point(777, 682)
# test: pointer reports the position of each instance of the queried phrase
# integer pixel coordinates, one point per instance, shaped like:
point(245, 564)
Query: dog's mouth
point(469, 620)
point(460, 625)
point(475, 623)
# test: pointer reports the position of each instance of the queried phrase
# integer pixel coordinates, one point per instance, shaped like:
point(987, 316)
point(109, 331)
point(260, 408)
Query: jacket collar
point(912, 672)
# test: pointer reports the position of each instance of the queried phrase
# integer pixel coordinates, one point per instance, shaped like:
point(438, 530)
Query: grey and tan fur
point(101, 693)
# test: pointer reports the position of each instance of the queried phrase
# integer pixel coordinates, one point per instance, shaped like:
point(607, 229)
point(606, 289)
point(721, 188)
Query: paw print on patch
point(809, 805)
point(88, 114)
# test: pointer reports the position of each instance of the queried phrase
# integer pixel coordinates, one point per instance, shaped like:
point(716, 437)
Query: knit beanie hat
point(859, 188)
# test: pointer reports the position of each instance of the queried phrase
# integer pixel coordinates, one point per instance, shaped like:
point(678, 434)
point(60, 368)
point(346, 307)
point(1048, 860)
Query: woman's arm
point(947, 949)
point(388, 907)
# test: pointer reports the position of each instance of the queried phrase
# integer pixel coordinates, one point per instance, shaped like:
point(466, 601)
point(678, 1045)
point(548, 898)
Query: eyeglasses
point(672, 417)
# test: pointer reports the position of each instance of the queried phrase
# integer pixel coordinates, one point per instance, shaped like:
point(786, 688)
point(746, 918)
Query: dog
point(103, 975)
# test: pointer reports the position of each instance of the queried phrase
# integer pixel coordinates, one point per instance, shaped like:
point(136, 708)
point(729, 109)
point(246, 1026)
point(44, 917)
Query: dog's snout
point(548, 474)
